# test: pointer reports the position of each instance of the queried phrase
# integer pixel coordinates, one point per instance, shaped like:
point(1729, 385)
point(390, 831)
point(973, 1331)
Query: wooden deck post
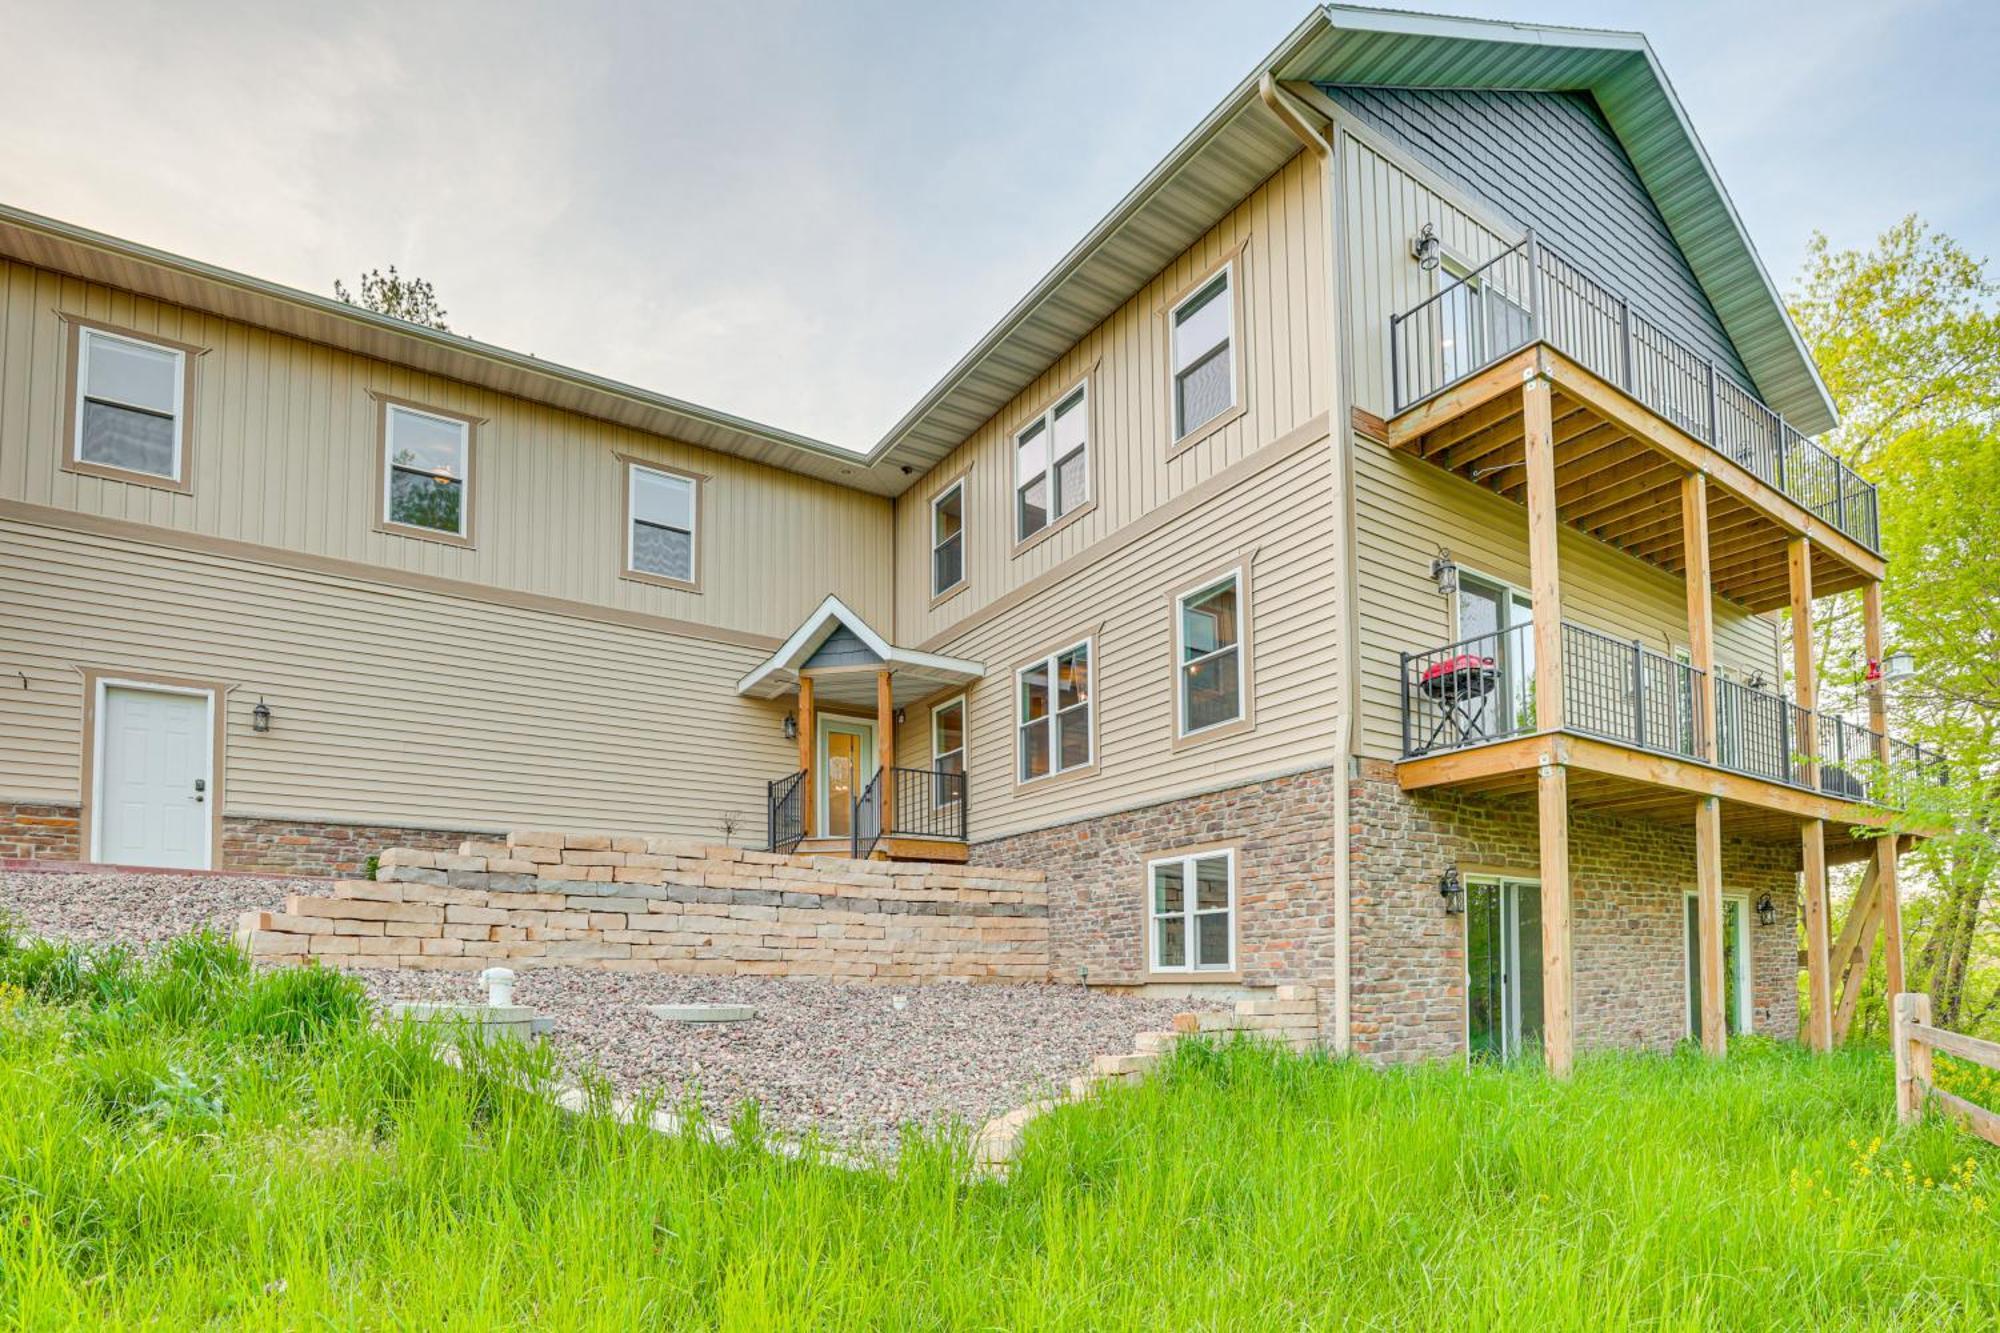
point(1886, 849)
point(1544, 576)
point(807, 727)
point(1851, 950)
point(1701, 609)
point(1558, 1030)
point(1812, 832)
point(885, 744)
point(1708, 899)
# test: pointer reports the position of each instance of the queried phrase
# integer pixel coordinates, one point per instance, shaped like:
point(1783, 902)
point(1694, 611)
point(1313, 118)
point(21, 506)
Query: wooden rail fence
point(1915, 1039)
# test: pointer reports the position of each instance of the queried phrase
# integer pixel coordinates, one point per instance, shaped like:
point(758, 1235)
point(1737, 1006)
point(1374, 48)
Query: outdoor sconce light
point(791, 726)
point(1445, 572)
point(1452, 891)
point(1425, 249)
point(260, 717)
point(1898, 665)
point(1767, 911)
point(901, 717)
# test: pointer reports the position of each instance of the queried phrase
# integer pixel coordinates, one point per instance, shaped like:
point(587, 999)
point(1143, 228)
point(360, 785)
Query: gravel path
point(820, 1054)
point(136, 909)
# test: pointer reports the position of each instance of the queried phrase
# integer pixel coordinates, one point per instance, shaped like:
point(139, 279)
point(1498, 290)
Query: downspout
point(1339, 435)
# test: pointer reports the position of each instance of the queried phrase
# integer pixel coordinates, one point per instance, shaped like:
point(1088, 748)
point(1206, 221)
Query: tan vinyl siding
point(1405, 510)
point(284, 454)
point(1283, 374)
point(1123, 600)
point(389, 705)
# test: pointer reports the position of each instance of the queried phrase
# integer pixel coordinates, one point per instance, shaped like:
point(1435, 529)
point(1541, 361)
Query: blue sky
point(805, 213)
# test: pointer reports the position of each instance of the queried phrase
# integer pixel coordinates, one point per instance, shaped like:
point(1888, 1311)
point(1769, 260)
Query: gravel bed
point(822, 1055)
point(136, 909)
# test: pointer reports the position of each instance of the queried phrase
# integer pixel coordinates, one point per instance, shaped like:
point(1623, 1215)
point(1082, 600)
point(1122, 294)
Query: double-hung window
point(1054, 721)
point(427, 464)
point(130, 406)
point(1203, 327)
point(1193, 911)
point(948, 753)
point(948, 539)
point(1210, 675)
point(661, 509)
point(1052, 464)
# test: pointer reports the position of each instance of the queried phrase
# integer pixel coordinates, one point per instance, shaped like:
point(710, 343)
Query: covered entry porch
point(851, 691)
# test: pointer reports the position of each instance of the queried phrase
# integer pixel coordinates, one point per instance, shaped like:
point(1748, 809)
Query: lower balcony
point(901, 814)
point(1633, 740)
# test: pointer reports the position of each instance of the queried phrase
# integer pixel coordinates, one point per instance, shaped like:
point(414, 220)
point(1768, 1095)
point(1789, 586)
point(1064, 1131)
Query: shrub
point(297, 1006)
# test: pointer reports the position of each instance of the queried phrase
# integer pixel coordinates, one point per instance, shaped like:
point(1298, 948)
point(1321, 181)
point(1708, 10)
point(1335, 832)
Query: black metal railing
point(867, 821)
point(1530, 293)
point(1477, 690)
point(927, 803)
point(1623, 691)
point(785, 811)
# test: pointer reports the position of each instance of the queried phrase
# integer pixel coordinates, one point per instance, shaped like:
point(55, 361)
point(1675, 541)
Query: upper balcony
point(1634, 411)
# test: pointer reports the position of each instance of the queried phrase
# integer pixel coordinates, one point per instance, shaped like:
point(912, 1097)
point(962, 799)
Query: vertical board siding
point(1544, 160)
point(388, 704)
point(1285, 376)
point(284, 454)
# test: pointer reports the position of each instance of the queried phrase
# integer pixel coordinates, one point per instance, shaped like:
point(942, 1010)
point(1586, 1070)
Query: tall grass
point(183, 1142)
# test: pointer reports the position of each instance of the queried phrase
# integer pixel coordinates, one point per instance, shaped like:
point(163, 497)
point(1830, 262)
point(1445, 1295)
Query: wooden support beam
point(1886, 849)
point(1558, 1019)
point(1819, 995)
point(1700, 608)
point(1545, 581)
point(808, 728)
point(885, 745)
point(1406, 428)
point(1850, 959)
point(1805, 678)
point(1708, 900)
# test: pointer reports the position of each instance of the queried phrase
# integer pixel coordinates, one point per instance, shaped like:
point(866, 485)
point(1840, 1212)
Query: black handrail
point(867, 821)
point(1530, 293)
point(785, 811)
point(929, 803)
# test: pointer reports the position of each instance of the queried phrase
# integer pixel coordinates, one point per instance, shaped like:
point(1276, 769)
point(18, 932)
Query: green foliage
point(298, 1006)
point(412, 299)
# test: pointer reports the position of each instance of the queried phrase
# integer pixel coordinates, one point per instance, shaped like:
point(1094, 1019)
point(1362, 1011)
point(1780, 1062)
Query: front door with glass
point(846, 764)
point(1735, 965)
point(1503, 965)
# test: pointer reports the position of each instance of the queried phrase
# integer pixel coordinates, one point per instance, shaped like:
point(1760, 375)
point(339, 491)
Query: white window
point(948, 752)
point(1735, 964)
point(659, 540)
point(1204, 351)
point(1210, 677)
point(424, 483)
point(1054, 697)
point(1052, 464)
point(128, 404)
point(948, 539)
point(1193, 912)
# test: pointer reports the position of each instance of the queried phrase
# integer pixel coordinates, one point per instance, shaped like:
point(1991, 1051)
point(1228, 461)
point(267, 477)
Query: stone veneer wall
point(281, 847)
point(35, 832)
point(667, 905)
point(1096, 869)
point(1629, 878)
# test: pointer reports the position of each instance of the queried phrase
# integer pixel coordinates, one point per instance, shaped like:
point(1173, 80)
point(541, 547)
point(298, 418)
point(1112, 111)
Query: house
point(1358, 562)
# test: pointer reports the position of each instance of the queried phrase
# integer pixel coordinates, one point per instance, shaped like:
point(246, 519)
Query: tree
point(1908, 339)
point(392, 294)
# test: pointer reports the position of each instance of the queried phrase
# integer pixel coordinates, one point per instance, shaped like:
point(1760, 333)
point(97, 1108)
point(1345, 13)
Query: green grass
point(184, 1143)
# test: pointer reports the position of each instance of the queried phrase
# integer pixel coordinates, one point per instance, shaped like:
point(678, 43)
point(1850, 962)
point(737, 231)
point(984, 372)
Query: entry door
point(1499, 620)
point(846, 764)
point(1503, 963)
point(154, 782)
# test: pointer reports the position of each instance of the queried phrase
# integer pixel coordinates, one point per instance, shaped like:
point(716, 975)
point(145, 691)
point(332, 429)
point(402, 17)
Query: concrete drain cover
point(702, 1013)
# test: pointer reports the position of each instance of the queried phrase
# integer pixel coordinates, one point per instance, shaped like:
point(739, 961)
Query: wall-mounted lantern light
point(1767, 911)
point(260, 717)
point(1898, 665)
point(1444, 571)
point(791, 726)
point(1425, 248)
point(1452, 891)
point(900, 716)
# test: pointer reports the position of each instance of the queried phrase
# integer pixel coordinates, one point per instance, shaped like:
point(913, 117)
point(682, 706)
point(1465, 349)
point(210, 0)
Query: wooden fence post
point(1913, 1059)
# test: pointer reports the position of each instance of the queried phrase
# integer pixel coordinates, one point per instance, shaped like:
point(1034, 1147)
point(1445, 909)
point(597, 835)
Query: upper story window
point(948, 752)
point(661, 510)
point(1211, 675)
point(427, 472)
point(130, 408)
point(1204, 353)
point(948, 539)
point(1054, 718)
point(1193, 912)
point(1052, 464)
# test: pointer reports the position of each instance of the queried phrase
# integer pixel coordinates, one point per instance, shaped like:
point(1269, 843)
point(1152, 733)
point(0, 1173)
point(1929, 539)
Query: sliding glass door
point(1503, 964)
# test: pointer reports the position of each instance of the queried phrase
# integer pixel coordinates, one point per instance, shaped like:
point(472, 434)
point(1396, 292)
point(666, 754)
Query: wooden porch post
point(1819, 987)
point(1886, 849)
point(885, 744)
point(1708, 810)
point(1552, 782)
point(807, 724)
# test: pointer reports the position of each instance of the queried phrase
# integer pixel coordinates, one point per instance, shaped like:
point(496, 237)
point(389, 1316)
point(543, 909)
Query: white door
point(153, 780)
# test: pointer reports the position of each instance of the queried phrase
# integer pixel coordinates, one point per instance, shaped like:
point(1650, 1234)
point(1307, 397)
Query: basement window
point(1193, 912)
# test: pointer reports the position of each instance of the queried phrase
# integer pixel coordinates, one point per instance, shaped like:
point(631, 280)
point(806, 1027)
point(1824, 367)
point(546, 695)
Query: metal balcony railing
point(929, 803)
point(785, 811)
point(1530, 293)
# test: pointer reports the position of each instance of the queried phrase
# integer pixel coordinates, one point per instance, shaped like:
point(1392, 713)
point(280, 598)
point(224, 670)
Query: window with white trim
point(1204, 353)
point(1054, 717)
point(659, 540)
point(423, 485)
point(1210, 678)
point(948, 752)
point(1052, 464)
point(948, 539)
point(128, 404)
point(1193, 912)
